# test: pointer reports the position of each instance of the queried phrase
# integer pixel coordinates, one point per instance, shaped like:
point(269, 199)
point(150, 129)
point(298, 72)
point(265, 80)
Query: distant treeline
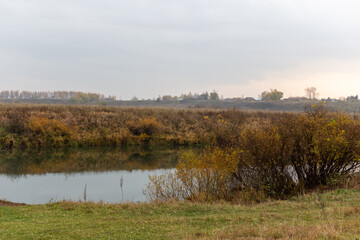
point(63, 95)
point(270, 100)
point(203, 96)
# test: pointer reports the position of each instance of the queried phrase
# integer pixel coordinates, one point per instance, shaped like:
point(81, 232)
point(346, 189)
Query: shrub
point(277, 156)
point(203, 177)
point(298, 152)
point(329, 144)
point(144, 128)
point(9, 141)
point(226, 132)
point(49, 132)
point(262, 163)
point(163, 188)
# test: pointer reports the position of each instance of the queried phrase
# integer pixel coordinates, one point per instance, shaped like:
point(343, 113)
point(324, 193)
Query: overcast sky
point(155, 47)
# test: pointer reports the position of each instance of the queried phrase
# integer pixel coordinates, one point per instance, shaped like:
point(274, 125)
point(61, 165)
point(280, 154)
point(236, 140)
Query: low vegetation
point(330, 215)
point(276, 156)
point(31, 126)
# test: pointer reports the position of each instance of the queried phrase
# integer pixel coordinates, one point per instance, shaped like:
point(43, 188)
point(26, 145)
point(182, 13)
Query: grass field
point(329, 215)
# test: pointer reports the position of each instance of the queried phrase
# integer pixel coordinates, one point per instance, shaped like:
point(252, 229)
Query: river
point(106, 174)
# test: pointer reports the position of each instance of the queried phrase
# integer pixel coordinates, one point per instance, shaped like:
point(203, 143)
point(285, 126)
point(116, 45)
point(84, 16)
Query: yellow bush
point(51, 132)
point(147, 125)
point(207, 176)
point(144, 128)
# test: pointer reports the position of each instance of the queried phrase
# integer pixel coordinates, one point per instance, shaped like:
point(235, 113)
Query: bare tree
point(311, 93)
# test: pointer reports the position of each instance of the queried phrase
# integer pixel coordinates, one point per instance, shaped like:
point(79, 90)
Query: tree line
point(311, 93)
point(203, 96)
point(62, 95)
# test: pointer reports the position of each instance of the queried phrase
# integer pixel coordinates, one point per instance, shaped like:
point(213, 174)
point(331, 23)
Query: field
point(330, 215)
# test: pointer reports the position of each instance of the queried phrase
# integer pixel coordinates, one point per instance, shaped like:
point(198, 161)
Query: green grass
point(331, 215)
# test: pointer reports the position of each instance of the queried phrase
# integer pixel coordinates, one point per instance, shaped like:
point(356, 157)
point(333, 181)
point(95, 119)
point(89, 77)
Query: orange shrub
point(144, 128)
point(49, 132)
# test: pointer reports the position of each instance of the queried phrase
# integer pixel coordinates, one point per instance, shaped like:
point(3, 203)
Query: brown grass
point(59, 126)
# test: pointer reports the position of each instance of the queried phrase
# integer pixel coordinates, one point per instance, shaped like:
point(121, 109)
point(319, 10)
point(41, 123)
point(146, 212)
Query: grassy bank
point(330, 215)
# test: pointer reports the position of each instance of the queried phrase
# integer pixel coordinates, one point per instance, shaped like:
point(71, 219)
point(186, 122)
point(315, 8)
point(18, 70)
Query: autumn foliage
point(275, 156)
point(33, 126)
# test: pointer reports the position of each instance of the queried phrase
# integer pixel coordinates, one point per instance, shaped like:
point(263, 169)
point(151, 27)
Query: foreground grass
point(331, 215)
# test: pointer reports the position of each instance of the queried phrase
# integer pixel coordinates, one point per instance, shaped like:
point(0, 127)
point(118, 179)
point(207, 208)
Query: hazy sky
point(151, 47)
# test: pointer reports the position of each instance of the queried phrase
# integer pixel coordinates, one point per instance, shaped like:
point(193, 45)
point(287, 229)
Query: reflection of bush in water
point(92, 159)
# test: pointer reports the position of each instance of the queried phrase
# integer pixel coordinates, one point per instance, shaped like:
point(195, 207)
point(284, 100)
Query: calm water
point(37, 177)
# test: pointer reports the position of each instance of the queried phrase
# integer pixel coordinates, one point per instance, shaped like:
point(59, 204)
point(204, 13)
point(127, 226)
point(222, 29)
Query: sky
point(147, 48)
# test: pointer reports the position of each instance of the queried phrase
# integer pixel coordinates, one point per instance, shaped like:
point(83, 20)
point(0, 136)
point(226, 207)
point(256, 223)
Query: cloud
point(118, 47)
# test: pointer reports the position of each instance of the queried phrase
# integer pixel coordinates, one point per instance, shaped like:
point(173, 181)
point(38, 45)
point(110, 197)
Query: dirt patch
point(10, 204)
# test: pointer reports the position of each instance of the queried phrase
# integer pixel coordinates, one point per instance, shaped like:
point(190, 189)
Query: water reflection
point(36, 177)
point(21, 162)
point(39, 189)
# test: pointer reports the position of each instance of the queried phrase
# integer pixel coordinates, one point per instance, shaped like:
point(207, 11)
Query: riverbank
point(329, 215)
point(60, 126)
point(49, 126)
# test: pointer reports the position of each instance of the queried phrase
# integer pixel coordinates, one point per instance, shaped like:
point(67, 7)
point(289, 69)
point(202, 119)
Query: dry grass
point(59, 126)
point(327, 218)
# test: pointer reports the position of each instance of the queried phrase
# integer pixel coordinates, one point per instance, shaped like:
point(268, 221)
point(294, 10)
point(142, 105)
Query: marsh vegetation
point(29, 126)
